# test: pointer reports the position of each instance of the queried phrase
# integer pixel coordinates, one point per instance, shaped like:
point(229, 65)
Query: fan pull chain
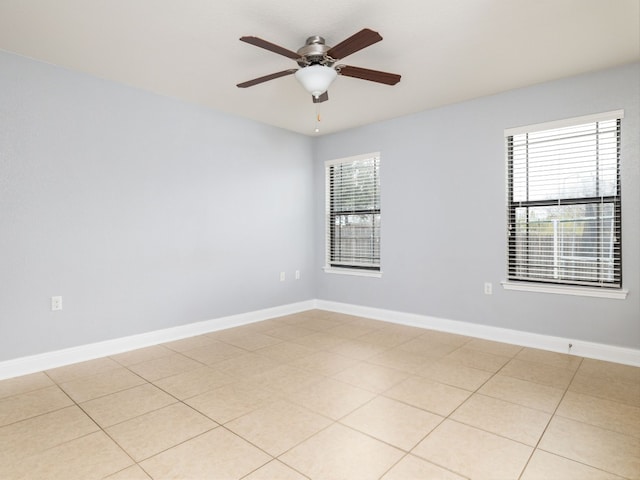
point(318, 119)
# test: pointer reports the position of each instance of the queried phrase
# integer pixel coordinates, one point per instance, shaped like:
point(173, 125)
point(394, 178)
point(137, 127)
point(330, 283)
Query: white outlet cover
point(56, 303)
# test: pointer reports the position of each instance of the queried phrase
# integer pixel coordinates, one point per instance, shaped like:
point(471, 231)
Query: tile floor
point(324, 396)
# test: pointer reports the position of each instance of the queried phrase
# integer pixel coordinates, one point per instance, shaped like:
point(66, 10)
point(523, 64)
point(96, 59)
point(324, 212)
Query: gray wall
point(145, 213)
point(444, 211)
point(141, 211)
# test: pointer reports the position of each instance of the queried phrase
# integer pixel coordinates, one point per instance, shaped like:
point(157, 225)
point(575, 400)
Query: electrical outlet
point(56, 303)
point(488, 288)
point(297, 274)
point(282, 276)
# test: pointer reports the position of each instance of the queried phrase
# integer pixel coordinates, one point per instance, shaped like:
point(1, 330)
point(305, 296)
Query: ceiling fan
point(317, 62)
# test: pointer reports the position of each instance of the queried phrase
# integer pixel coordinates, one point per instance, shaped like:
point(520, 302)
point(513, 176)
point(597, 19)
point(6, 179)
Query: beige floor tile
point(474, 453)
point(249, 329)
point(281, 384)
point(546, 466)
point(510, 420)
point(432, 396)
point(289, 332)
point(162, 367)
point(396, 423)
point(338, 453)
point(82, 369)
point(454, 374)
point(324, 363)
point(609, 451)
point(232, 401)
point(90, 457)
point(275, 470)
point(105, 383)
point(414, 468)
point(554, 359)
point(249, 341)
point(538, 373)
point(24, 384)
point(214, 353)
point(427, 347)
point(495, 348)
point(478, 359)
point(320, 341)
point(194, 382)
point(217, 454)
point(318, 324)
point(285, 352)
point(522, 392)
point(446, 337)
point(301, 318)
point(340, 317)
point(312, 323)
point(242, 366)
point(399, 359)
point(390, 337)
point(331, 398)
point(141, 355)
point(28, 437)
point(351, 330)
point(615, 372)
point(375, 378)
point(190, 343)
point(614, 416)
point(402, 332)
point(153, 432)
point(277, 427)
point(27, 405)
point(617, 391)
point(366, 322)
point(354, 348)
point(264, 325)
point(133, 472)
point(285, 379)
point(127, 404)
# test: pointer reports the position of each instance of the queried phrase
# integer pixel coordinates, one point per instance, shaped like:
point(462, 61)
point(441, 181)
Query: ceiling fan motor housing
point(314, 52)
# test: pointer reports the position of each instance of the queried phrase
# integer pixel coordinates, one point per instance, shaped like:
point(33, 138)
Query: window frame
point(543, 285)
point(331, 266)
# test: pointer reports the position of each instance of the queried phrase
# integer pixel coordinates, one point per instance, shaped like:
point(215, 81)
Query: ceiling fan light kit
point(316, 61)
point(316, 79)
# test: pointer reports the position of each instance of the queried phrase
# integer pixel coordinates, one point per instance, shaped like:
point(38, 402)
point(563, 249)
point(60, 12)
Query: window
point(353, 214)
point(564, 213)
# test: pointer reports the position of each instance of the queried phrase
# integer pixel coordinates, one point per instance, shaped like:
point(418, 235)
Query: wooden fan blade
point(371, 75)
point(272, 47)
point(354, 43)
point(266, 78)
point(322, 98)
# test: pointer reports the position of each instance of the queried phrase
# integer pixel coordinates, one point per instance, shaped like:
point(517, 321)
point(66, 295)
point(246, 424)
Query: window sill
point(353, 271)
point(567, 290)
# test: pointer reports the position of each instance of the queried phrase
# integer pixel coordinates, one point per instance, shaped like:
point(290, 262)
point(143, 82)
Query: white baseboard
point(48, 360)
point(599, 351)
point(67, 356)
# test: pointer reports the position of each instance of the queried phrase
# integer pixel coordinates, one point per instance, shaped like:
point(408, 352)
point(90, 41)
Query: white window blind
point(564, 211)
point(353, 212)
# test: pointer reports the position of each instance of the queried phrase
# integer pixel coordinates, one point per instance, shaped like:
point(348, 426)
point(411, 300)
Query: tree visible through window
point(564, 212)
point(353, 213)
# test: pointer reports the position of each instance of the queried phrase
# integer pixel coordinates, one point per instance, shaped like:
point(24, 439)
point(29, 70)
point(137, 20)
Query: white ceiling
point(447, 51)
